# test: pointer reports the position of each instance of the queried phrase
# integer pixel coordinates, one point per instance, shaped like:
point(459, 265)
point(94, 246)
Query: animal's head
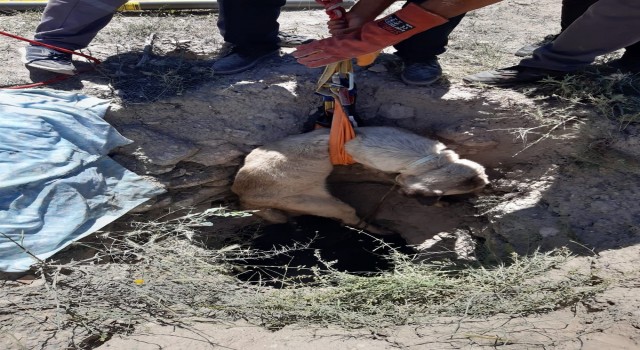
point(442, 176)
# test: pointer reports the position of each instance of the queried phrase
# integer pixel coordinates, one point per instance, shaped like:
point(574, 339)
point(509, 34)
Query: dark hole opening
point(319, 239)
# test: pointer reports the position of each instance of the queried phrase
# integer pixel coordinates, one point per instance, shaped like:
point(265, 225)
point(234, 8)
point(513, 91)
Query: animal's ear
point(415, 185)
point(409, 179)
point(407, 183)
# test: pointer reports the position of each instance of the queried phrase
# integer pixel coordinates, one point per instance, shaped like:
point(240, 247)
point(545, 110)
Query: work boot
point(527, 50)
point(40, 57)
point(236, 61)
point(512, 75)
point(422, 72)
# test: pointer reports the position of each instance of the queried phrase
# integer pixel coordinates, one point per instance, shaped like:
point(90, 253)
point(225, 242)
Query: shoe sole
point(500, 84)
point(480, 83)
point(247, 67)
point(419, 83)
point(523, 53)
point(510, 83)
point(31, 64)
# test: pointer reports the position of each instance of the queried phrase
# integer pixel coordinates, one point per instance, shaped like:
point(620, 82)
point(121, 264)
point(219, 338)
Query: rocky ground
point(564, 172)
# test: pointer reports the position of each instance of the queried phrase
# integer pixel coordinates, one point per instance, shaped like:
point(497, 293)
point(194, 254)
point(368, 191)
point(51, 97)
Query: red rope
point(55, 79)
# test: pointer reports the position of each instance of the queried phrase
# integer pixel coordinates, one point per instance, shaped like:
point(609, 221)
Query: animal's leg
point(326, 206)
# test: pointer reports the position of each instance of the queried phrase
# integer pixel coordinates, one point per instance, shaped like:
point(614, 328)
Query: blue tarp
point(57, 183)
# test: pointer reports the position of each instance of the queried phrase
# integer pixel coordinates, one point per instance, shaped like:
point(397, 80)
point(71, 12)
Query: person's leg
point(572, 10)
point(608, 25)
point(630, 60)
point(428, 44)
point(71, 25)
point(420, 52)
point(251, 27)
point(632, 51)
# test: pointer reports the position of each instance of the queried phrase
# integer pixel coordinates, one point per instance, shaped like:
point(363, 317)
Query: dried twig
point(22, 247)
point(148, 49)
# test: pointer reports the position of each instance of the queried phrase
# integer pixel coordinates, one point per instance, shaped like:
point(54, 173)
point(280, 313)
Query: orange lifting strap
point(337, 88)
point(341, 132)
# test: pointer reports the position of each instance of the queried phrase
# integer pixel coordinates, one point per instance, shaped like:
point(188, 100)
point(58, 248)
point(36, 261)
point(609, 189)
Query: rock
point(153, 147)
point(194, 176)
point(225, 154)
point(473, 137)
point(378, 68)
point(152, 204)
point(548, 231)
point(140, 167)
point(396, 111)
point(218, 183)
point(193, 197)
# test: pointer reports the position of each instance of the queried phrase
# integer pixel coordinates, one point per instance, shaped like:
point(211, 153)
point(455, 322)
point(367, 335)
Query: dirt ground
point(563, 175)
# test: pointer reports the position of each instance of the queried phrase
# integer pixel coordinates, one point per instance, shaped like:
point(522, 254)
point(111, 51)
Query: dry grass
point(414, 293)
point(157, 271)
point(615, 96)
point(598, 94)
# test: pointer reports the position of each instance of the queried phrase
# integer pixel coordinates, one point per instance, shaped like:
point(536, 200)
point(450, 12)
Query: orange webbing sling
point(337, 87)
point(338, 90)
point(341, 132)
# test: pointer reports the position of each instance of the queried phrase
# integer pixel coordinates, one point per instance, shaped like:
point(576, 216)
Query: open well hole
point(293, 252)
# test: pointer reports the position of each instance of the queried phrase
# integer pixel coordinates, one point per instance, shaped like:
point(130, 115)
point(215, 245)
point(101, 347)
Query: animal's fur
point(289, 176)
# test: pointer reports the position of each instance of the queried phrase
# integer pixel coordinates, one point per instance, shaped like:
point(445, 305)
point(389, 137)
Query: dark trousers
point(572, 9)
point(72, 24)
point(250, 25)
point(428, 44)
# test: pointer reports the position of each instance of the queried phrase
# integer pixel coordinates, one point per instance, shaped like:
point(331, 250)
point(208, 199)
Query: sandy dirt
point(576, 187)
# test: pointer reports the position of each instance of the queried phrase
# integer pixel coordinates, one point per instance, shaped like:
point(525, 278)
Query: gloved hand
point(373, 36)
point(350, 23)
point(342, 22)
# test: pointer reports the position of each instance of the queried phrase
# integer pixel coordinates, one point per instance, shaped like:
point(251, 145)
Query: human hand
point(349, 23)
point(320, 53)
point(333, 8)
point(371, 37)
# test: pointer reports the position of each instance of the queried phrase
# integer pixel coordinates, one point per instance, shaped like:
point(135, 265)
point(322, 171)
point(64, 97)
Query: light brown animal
point(288, 176)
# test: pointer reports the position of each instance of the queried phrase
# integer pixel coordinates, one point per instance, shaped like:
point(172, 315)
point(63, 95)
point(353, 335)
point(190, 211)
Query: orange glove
point(337, 13)
point(373, 36)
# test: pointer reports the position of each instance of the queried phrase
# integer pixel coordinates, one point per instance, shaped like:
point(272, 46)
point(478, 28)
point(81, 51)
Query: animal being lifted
point(288, 177)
